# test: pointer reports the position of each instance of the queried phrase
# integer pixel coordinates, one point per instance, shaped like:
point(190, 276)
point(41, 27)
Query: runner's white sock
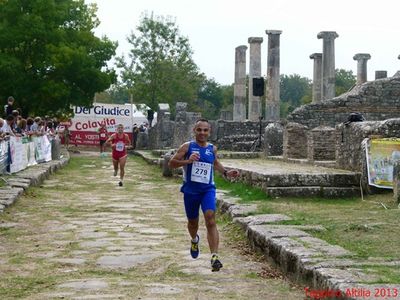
point(212, 254)
point(196, 239)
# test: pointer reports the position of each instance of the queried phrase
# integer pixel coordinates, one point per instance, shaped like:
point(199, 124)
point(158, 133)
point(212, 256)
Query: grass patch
point(17, 259)
point(17, 287)
point(5, 231)
point(358, 226)
point(173, 270)
point(386, 274)
point(245, 192)
point(361, 227)
point(252, 275)
point(70, 210)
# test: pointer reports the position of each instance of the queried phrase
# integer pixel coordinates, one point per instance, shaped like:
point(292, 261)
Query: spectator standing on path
point(135, 133)
point(119, 142)
point(67, 136)
point(150, 116)
point(103, 137)
point(199, 159)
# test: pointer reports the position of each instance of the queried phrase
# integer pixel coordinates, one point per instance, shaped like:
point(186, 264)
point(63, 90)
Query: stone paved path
point(80, 236)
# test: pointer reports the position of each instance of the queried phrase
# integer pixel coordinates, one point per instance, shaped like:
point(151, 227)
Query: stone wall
point(273, 139)
point(321, 143)
point(295, 141)
point(226, 135)
point(376, 100)
point(161, 135)
point(235, 135)
point(183, 128)
point(349, 152)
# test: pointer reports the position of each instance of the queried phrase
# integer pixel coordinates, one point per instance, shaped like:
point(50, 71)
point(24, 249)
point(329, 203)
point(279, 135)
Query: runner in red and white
point(103, 136)
point(119, 142)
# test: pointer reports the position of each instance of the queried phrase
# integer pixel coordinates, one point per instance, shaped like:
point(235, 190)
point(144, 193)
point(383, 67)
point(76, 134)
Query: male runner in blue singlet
point(199, 159)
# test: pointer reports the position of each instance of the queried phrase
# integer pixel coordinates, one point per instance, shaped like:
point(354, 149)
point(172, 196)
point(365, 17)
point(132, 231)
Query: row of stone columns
point(323, 75)
point(324, 68)
point(328, 81)
point(273, 74)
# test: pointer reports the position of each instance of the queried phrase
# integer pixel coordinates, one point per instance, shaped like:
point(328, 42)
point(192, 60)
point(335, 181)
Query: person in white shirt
point(2, 133)
point(7, 126)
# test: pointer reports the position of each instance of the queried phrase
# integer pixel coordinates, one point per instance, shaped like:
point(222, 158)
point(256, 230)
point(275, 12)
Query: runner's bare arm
point(178, 159)
point(128, 142)
point(220, 168)
point(109, 141)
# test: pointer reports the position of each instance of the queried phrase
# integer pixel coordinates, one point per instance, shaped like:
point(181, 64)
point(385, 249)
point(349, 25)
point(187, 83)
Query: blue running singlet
point(198, 177)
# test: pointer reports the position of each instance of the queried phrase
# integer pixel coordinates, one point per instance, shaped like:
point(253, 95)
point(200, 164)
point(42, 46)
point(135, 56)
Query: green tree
point(345, 80)
point(227, 96)
point(49, 56)
point(294, 91)
point(119, 93)
point(210, 99)
point(160, 66)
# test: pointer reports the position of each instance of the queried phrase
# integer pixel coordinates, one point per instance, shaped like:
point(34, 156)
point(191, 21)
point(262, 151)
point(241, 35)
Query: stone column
point(361, 59)
point(239, 89)
point(328, 63)
point(272, 105)
point(380, 74)
point(317, 77)
point(254, 71)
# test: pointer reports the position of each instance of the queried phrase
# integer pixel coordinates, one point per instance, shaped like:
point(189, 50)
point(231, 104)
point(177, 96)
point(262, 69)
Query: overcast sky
point(216, 27)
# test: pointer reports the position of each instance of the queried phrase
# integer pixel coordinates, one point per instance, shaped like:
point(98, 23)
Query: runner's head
point(120, 128)
point(202, 130)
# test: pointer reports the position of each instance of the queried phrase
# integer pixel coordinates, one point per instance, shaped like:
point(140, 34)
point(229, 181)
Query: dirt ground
point(81, 236)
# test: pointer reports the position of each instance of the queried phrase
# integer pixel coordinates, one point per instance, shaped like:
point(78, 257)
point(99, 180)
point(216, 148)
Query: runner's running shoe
point(194, 248)
point(215, 263)
point(120, 183)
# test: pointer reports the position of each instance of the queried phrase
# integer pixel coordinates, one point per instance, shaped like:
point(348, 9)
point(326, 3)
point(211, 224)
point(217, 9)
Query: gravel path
point(80, 236)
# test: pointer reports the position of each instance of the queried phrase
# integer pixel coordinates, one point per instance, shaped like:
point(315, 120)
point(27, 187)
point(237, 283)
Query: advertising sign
point(87, 121)
point(381, 155)
point(43, 148)
point(19, 159)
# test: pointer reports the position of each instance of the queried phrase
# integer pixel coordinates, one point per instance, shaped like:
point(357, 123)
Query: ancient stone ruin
point(314, 133)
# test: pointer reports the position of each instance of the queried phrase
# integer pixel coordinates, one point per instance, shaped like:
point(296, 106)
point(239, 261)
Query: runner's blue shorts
point(193, 202)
